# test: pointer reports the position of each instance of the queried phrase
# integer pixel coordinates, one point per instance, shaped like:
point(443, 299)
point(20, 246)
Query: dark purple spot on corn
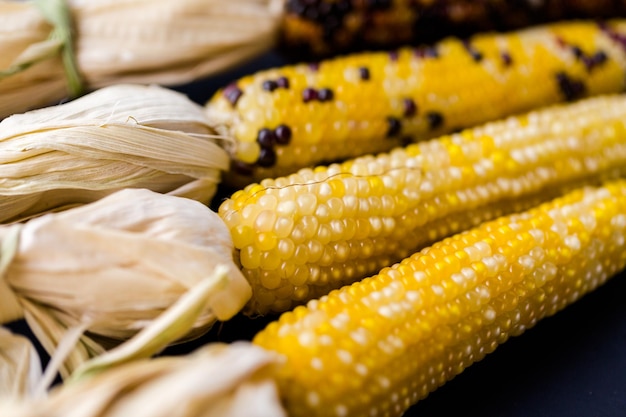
point(325, 94)
point(435, 119)
point(267, 157)
point(572, 89)
point(393, 126)
point(410, 108)
point(594, 60)
point(506, 59)
point(614, 35)
point(578, 53)
point(427, 52)
point(476, 55)
point(309, 94)
point(282, 82)
point(266, 138)
point(364, 73)
point(314, 66)
point(241, 168)
point(269, 85)
point(232, 93)
point(393, 55)
point(282, 134)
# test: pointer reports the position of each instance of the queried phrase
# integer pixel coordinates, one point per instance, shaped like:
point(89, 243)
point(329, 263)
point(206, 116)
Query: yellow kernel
point(266, 241)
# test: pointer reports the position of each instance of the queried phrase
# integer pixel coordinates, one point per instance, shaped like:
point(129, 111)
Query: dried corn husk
point(100, 273)
point(217, 380)
point(117, 137)
point(20, 367)
point(165, 42)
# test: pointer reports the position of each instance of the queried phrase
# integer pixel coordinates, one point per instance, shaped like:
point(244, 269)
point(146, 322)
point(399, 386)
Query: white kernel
point(438, 290)
point(384, 382)
point(527, 261)
point(385, 311)
point(359, 336)
point(344, 356)
point(286, 208)
point(317, 363)
point(419, 276)
point(306, 338)
point(341, 410)
point(361, 369)
point(573, 242)
point(619, 221)
point(312, 398)
point(489, 314)
point(413, 296)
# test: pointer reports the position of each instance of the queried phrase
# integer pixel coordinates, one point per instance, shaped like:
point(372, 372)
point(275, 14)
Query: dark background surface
point(572, 364)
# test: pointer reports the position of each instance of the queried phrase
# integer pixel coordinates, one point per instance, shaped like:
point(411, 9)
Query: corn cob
point(303, 115)
point(298, 237)
point(380, 345)
point(335, 26)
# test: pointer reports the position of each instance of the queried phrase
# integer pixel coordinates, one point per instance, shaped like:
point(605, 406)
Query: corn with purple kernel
point(335, 26)
point(299, 116)
point(380, 345)
point(298, 237)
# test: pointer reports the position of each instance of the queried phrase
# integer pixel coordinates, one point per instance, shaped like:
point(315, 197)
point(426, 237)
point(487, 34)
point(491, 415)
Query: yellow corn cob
point(335, 26)
point(299, 116)
point(378, 346)
point(298, 237)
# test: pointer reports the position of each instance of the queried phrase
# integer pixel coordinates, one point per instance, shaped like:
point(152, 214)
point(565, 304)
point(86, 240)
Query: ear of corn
point(332, 26)
point(303, 115)
point(300, 236)
point(187, 39)
point(379, 345)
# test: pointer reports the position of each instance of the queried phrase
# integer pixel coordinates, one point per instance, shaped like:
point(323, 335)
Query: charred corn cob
point(299, 116)
point(378, 346)
point(333, 26)
point(298, 237)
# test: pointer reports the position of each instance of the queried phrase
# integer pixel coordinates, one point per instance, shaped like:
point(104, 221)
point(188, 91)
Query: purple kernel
point(232, 93)
point(325, 94)
point(394, 126)
point(282, 82)
point(364, 73)
point(282, 134)
point(410, 108)
point(241, 168)
point(435, 119)
point(266, 138)
point(506, 58)
point(309, 94)
point(267, 157)
point(269, 85)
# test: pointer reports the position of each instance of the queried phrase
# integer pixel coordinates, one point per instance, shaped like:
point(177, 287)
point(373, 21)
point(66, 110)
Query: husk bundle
point(217, 380)
point(116, 137)
point(102, 272)
point(165, 42)
point(20, 367)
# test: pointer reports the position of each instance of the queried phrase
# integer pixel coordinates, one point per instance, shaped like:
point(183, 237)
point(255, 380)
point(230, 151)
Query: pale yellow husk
point(20, 367)
point(116, 137)
point(217, 380)
point(100, 273)
point(166, 42)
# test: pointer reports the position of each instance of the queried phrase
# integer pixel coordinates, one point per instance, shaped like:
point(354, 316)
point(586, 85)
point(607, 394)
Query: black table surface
point(571, 364)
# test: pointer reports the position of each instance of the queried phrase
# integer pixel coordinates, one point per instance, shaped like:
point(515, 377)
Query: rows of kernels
point(302, 235)
point(379, 345)
point(408, 95)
